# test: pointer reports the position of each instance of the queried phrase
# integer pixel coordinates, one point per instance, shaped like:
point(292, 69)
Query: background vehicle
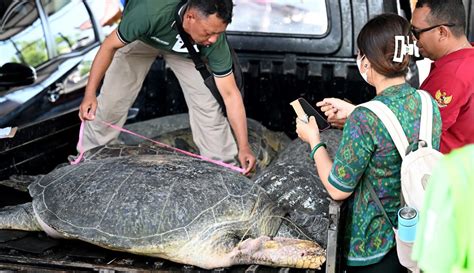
point(58, 39)
point(47, 38)
point(288, 49)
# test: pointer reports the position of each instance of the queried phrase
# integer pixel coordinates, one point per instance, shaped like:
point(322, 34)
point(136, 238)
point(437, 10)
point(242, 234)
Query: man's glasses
point(416, 32)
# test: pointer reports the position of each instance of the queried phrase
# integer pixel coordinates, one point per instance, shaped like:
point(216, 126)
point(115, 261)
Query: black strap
point(379, 204)
point(201, 67)
point(198, 63)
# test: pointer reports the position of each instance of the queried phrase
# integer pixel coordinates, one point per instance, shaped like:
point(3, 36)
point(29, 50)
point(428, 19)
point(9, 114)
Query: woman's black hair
point(376, 41)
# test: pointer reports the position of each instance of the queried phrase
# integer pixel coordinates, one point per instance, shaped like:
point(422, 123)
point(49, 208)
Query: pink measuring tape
point(217, 162)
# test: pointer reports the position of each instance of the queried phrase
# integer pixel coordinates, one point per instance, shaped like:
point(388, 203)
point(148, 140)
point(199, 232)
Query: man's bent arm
point(99, 66)
point(237, 117)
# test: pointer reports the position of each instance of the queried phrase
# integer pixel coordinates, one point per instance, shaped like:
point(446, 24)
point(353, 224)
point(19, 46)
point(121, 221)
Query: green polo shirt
point(153, 22)
point(445, 234)
point(367, 154)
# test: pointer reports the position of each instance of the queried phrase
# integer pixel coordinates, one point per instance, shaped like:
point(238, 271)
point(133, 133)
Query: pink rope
point(79, 146)
point(217, 162)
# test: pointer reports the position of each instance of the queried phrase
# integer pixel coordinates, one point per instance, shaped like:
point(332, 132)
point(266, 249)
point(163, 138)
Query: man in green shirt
point(148, 29)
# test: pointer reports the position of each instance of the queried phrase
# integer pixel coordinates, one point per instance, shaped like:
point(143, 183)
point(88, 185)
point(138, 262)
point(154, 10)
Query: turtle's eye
point(236, 239)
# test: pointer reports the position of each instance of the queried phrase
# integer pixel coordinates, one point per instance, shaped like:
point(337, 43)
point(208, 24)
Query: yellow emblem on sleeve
point(442, 98)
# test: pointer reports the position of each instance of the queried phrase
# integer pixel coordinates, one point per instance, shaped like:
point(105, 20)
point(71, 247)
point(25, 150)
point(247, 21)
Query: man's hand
point(247, 159)
point(87, 108)
point(336, 110)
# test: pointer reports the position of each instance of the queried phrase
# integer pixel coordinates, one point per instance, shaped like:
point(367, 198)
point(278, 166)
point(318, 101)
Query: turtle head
point(281, 252)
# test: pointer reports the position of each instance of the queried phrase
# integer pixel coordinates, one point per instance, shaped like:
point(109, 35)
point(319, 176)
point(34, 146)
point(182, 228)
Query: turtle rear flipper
point(20, 182)
point(19, 217)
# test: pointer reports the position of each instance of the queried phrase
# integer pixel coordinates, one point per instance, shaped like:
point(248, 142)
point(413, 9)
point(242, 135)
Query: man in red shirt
point(438, 27)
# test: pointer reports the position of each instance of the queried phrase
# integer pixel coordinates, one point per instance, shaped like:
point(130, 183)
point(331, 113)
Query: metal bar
point(331, 250)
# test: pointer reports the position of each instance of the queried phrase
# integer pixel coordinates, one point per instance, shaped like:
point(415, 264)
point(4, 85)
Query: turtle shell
point(293, 183)
point(151, 204)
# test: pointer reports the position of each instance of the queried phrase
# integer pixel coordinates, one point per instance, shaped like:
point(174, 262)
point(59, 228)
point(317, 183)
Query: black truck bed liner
point(35, 252)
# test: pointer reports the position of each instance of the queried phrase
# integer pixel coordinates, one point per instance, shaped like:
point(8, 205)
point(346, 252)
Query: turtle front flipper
point(19, 217)
point(279, 252)
point(20, 182)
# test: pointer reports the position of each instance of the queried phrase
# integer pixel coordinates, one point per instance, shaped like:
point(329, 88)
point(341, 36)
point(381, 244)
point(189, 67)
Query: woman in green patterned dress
point(367, 153)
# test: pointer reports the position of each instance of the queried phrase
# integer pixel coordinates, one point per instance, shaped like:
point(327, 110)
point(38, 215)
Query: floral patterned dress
point(367, 154)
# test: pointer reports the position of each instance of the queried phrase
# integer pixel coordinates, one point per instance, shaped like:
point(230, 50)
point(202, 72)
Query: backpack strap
point(395, 130)
point(379, 203)
point(426, 121)
point(391, 123)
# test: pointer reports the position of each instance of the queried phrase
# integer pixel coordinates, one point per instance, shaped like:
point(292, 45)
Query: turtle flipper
point(19, 182)
point(279, 252)
point(19, 217)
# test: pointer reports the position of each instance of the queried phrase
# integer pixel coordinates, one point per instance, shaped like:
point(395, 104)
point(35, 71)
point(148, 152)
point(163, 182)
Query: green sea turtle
point(164, 205)
point(293, 183)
